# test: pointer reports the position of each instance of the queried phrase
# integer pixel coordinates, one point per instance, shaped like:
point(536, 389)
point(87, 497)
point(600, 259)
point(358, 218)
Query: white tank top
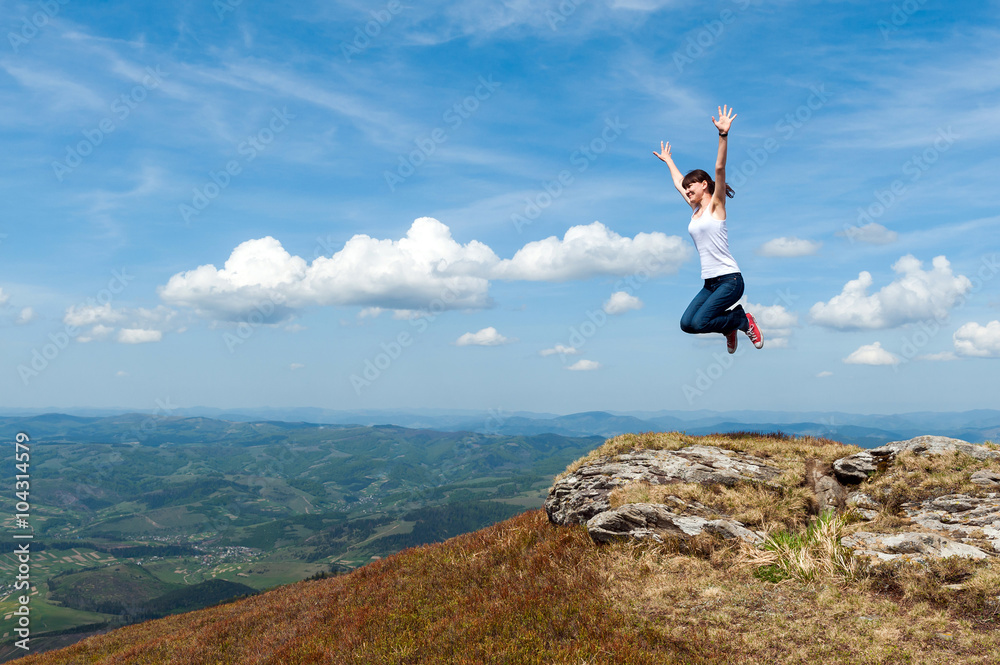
point(712, 241)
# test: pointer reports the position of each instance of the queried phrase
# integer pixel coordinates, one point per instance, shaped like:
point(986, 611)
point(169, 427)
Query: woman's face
point(696, 190)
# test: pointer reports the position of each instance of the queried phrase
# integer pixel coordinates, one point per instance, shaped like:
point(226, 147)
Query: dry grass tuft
point(757, 505)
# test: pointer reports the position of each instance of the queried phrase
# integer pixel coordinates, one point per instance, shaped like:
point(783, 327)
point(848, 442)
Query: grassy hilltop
point(526, 591)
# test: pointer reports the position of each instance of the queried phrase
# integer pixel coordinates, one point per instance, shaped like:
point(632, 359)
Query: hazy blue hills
point(867, 430)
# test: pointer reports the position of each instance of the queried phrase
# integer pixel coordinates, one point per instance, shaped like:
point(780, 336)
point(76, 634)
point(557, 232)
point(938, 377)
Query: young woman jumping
point(709, 311)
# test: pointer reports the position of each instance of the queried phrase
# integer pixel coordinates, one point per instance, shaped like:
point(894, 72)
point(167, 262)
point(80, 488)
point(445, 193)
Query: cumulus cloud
point(485, 337)
point(88, 315)
point(871, 233)
point(137, 325)
point(621, 302)
point(584, 366)
point(4, 297)
point(978, 341)
point(139, 336)
point(26, 316)
point(591, 251)
point(427, 270)
point(915, 295)
point(872, 354)
point(560, 349)
point(939, 357)
point(789, 247)
point(96, 333)
point(775, 323)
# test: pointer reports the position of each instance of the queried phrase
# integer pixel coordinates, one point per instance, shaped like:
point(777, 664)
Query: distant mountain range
point(866, 430)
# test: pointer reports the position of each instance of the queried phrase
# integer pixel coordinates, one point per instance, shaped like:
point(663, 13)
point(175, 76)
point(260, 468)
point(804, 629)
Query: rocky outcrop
point(965, 525)
point(855, 469)
point(950, 525)
point(579, 497)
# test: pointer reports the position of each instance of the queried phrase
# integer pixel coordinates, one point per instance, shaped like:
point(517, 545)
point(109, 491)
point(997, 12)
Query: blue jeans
point(709, 311)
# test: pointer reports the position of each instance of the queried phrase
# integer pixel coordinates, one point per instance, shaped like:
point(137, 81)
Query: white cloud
point(584, 366)
point(138, 325)
point(4, 297)
point(978, 341)
point(87, 315)
point(27, 315)
point(872, 354)
point(789, 247)
point(824, 374)
point(139, 336)
point(560, 349)
point(426, 270)
point(121, 373)
point(871, 233)
point(96, 333)
point(295, 366)
point(621, 302)
point(939, 357)
point(485, 337)
point(775, 323)
point(593, 250)
point(915, 295)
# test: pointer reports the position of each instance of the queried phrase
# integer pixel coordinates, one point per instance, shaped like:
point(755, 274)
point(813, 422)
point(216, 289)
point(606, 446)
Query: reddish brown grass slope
point(522, 591)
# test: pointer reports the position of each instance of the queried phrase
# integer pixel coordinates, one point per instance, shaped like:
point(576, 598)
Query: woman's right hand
point(664, 153)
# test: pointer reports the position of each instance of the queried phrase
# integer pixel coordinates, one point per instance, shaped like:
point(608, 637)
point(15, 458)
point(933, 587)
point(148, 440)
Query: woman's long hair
point(701, 176)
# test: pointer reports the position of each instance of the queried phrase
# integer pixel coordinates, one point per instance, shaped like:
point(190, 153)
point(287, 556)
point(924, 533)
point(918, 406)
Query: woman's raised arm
point(725, 121)
point(675, 173)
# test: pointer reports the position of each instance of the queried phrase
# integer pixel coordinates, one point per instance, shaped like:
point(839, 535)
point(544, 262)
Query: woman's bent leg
point(691, 314)
point(713, 313)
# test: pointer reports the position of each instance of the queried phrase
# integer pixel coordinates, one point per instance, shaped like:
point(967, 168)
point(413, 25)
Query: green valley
point(139, 516)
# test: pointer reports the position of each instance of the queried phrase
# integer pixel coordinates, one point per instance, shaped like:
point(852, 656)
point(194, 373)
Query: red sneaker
point(731, 340)
point(753, 332)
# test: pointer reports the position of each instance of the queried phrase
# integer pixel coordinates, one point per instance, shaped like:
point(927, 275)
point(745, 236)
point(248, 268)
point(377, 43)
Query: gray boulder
point(583, 494)
point(909, 546)
point(656, 521)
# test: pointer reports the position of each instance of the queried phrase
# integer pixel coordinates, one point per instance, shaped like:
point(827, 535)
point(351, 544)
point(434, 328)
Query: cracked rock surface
point(582, 496)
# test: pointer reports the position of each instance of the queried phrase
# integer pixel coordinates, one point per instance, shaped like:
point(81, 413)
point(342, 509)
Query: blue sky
point(456, 205)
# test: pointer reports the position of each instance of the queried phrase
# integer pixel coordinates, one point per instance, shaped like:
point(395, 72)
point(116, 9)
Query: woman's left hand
point(726, 117)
